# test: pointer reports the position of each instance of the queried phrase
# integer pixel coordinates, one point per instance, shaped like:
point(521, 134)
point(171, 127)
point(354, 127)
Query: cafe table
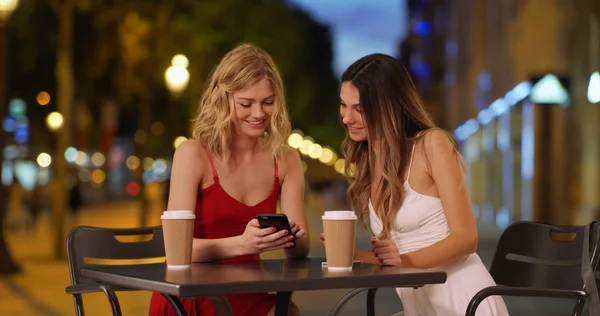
point(281, 276)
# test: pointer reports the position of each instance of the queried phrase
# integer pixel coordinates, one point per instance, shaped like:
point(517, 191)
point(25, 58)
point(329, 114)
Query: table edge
point(196, 290)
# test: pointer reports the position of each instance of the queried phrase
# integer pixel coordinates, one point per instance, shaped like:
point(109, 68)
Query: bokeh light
point(54, 121)
point(71, 154)
point(177, 78)
point(178, 141)
point(328, 156)
point(98, 159)
point(43, 98)
point(98, 176)
point(147, 163)
point(315, 151)
point(339, 165)
point(132, 162)
point(180, 60)
point(305, 145)
point(44, 160)
point(82, 159)
point(295, 140)
point(133, 189)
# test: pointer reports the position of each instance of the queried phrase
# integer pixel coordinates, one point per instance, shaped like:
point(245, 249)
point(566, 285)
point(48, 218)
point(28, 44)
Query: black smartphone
point(279, 221)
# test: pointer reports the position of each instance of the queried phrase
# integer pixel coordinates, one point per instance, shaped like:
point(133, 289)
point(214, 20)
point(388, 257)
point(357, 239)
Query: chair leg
point(113, 300)
point(371, 301)
point(338, 306)
point(578, 308)
point(78, 301)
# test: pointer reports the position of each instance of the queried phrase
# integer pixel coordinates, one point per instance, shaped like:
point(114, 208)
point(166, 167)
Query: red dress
point(218, 215)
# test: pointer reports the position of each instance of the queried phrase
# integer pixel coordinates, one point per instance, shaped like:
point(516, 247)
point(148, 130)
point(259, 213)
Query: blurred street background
point(95, 95)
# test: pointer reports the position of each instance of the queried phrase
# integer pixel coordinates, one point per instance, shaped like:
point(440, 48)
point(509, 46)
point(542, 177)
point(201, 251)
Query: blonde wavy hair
point(395, 119)
point(239, 69)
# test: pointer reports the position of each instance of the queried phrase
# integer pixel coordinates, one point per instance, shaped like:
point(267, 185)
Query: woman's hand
point(386, 251)
point(297, 231)
point(360, 255)
point(258, 240)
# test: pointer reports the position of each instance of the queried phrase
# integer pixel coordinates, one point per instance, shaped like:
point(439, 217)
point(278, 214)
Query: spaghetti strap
point(212, 165)
point(276, 173)
point(412, 155)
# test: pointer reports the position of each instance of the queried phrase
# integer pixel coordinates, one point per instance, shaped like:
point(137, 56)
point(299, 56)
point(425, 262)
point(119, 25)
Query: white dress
point(421, 223)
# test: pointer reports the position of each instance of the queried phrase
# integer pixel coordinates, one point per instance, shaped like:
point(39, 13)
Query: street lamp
point(177, 76)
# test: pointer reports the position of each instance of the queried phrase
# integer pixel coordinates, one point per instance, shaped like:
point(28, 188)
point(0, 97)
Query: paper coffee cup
point(178, 232)
point(339, 228)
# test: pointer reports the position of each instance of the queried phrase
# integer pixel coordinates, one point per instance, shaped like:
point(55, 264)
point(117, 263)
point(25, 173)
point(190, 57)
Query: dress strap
point(212, 165)
point(276, 173)
point(412, 154)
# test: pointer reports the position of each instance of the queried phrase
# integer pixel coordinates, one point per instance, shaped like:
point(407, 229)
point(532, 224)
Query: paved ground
point(40, 289)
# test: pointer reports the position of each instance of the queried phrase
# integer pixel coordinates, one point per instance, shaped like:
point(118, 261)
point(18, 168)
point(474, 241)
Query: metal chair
point(540, 260)
point(84, 243)
point(534, 260)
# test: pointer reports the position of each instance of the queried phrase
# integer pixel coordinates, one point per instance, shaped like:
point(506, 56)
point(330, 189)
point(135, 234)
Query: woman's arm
point(186, 180)
point(450, 182)
point(292, 202)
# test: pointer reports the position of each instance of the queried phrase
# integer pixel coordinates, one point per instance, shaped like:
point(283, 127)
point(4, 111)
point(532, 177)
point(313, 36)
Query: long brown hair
point(393, 115)
point(239, 69)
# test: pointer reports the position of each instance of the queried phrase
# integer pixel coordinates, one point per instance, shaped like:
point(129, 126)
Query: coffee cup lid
point(178, 215)
point(339, 215)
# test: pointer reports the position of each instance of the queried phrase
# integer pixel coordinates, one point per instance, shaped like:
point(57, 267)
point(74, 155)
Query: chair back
point(99, 246)
point(540, 255)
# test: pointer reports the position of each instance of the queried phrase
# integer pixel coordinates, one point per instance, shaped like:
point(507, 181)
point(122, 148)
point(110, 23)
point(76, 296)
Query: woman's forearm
point(365, 256)
point(444, 252)
point(209, 250)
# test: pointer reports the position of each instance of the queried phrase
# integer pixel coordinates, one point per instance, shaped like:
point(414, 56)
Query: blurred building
point(526, 160)
point(422, 52)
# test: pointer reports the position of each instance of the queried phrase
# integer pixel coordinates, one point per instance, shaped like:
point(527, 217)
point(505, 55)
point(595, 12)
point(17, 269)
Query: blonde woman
point(410, 185)
point(236, 166)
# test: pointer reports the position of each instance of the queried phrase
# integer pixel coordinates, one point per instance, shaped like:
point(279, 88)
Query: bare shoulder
point(190, 155)
point(291, 155)
point(290, 161)
point(438, 142)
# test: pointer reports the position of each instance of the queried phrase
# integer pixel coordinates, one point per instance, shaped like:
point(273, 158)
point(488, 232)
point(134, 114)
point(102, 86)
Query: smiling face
point(350, 111)
point(253, 108)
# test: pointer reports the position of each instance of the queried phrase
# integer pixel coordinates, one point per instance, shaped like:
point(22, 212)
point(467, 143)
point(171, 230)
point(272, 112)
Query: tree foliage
point(123, 47)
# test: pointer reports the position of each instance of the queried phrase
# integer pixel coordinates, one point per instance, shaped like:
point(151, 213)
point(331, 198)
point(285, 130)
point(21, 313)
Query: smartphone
point(279, 221)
